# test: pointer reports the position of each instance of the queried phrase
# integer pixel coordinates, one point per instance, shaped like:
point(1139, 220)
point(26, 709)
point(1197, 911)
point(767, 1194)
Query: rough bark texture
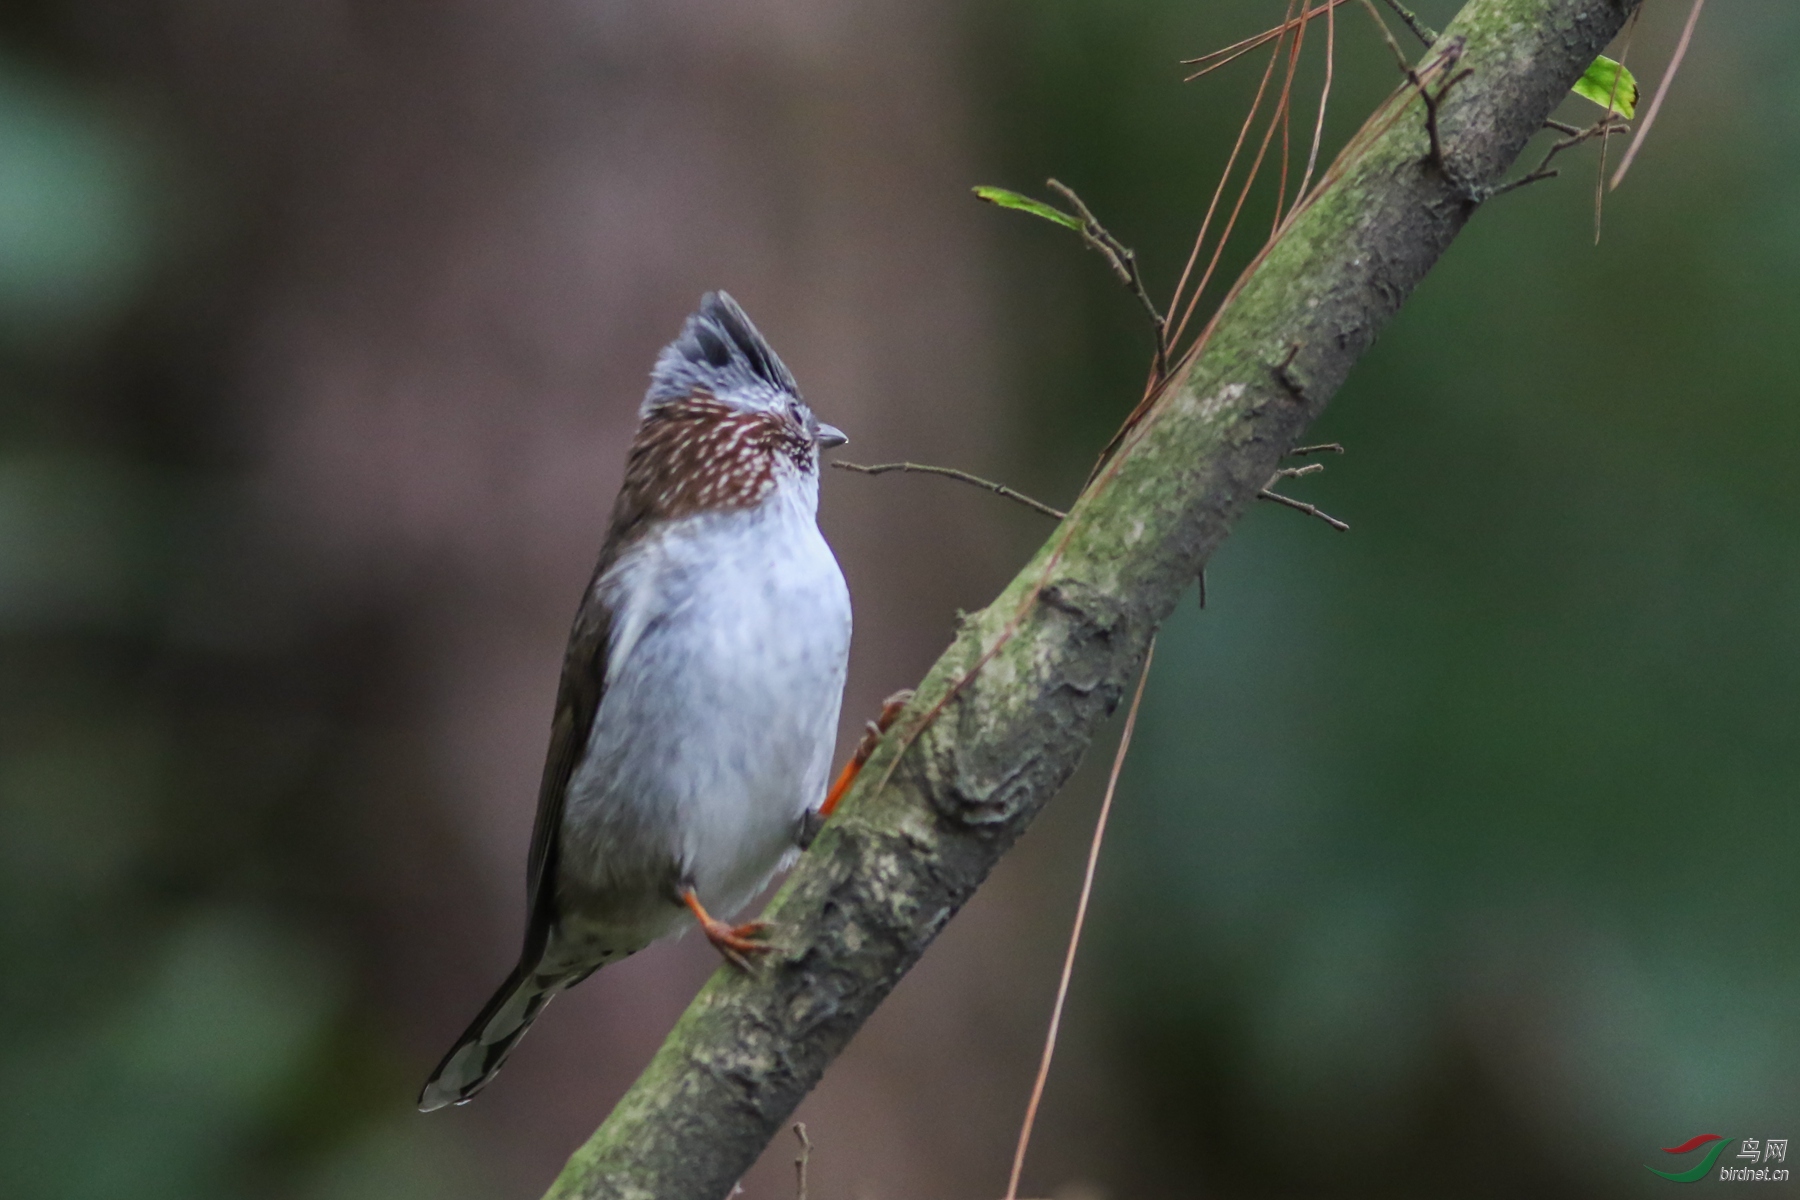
point(918, 835)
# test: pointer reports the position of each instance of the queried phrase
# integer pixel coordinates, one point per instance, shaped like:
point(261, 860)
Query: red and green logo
point(1699, 1170)
point(1750, 1150)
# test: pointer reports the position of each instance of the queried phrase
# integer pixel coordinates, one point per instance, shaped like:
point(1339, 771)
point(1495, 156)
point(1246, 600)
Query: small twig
point(1081, 908)
point(1124, 265)
point(1420, 29)
point(999, 489)
point(1268, 492)
point(1311, 510)
point(801, 1161)
point(1285, 377)
point(1445, 62)
point(1387, 36)
point(1605, 127)
point(1451, 56)
point(1662, 89)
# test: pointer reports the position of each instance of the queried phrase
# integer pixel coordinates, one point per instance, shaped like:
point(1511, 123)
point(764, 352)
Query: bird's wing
point(577, 701)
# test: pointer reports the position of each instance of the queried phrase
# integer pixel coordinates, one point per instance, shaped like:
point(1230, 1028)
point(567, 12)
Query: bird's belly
point(715, 732)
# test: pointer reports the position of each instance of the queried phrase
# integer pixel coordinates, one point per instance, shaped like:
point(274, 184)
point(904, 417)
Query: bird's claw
point(735, 942)
point(891, 708)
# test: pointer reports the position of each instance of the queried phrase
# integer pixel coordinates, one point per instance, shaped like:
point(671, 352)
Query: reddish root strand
point(1662, 90)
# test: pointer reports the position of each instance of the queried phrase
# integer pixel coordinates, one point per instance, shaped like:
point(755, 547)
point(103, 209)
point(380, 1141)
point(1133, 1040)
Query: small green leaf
point(1036, 208)
point(1600, 80)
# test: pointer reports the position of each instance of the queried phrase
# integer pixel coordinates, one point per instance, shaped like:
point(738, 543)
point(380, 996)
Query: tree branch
point(1007, 712)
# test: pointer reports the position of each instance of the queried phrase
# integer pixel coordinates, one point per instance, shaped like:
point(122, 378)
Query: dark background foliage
point(1455, 853)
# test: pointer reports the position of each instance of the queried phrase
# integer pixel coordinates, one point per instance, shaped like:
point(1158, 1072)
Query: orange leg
point(733, 941)
point(890, 710)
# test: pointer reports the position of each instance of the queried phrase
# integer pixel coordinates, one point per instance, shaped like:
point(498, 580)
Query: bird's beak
point(831, 437)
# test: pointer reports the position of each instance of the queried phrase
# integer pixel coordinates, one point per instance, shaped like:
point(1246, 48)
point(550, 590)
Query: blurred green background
point(1456, 854)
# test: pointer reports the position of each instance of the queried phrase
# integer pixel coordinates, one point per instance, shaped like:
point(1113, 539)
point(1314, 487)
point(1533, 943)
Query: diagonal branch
point(1005, 715)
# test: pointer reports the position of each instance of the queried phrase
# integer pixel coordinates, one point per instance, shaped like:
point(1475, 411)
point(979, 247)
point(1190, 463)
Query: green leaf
point(1598, 84)
point(1036, 208)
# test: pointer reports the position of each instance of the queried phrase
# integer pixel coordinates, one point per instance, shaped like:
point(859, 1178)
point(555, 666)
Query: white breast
point(714, 735)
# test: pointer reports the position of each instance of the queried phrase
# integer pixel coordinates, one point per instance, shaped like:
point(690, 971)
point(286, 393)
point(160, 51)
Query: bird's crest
point(720, 354)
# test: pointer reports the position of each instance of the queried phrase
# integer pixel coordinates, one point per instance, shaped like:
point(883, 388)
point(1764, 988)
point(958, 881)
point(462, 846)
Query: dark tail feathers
point(477, 1055)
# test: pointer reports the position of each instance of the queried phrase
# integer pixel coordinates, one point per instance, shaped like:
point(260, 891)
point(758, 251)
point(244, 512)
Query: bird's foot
point(891, 708)
point(735, 942)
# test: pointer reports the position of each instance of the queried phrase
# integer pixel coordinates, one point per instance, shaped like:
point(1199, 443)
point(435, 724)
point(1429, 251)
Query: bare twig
point(1268, 492)
point(1321, 448)
point(1605, 127)
point(999, 489)
point(1420, 29)
point(1081, 908)
point(1286, 376)
point(1295, 472)
point(1311, 510)
point(800, 1162)
point(1662, 89)
point(1387, 36)
point(1124, 265)
point(1446, 63)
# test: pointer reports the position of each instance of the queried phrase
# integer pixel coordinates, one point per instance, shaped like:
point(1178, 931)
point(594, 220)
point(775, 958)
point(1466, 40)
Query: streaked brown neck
point(698, 455)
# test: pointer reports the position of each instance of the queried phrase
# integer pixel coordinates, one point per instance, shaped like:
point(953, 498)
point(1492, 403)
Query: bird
point(698, 704)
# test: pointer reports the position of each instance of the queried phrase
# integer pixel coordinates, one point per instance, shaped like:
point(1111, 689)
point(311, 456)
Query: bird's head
point(721, 355)
point(722, 424)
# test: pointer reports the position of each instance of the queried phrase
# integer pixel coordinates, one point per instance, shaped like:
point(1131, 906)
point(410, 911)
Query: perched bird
point(699, 699)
